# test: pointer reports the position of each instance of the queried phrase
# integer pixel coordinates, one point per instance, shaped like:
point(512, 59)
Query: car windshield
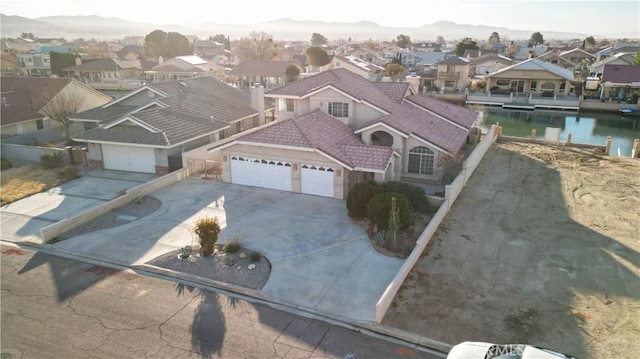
point(508, 351)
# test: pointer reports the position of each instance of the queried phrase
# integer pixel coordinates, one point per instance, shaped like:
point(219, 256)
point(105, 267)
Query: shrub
point(207, 230)
point(232, 246)
point(255, 256)
point(6, 164)
point(416, 195)
point(69, 173)
point(379, 210)
point(184, 252)
point(359, 197)
point(51, 160)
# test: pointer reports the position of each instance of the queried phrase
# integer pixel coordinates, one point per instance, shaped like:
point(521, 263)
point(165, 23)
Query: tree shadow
point(208, 327)
point(514, 261)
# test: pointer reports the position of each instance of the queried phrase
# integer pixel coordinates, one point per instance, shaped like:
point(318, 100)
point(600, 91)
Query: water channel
point(584, 127)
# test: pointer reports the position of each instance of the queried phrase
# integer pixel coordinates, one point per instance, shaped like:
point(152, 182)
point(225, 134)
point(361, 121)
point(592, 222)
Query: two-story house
point(356, 65)
point(335, 129)
point(453, 74)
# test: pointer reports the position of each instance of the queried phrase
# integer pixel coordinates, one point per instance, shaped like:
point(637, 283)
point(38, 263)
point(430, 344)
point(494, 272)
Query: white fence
point(451, 193)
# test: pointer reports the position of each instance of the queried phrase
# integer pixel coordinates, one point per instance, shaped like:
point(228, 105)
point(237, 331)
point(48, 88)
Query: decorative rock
point(251, 266)
point(242, 255)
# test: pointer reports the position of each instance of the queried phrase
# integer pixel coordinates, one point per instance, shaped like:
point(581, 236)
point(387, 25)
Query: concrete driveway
point(321, 260)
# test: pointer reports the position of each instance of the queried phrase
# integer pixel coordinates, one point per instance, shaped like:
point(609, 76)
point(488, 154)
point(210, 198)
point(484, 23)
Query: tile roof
point(324, 133)
point(186, 64)
point(104, 114)
point(171, 127)
point(395, 90)
point(538, 65)
point(625, 74)
point(454, 61)
point(491, 57)
point(268, 68)
point(406, 118)
point(458, 114)
point(105, 64)
point(24, 96)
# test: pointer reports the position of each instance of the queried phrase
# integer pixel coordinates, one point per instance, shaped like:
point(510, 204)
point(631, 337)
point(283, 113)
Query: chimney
point(257, 101)
point(160, 60)
point(414, 82)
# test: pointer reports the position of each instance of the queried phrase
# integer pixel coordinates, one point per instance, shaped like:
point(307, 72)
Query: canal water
point(588, 128)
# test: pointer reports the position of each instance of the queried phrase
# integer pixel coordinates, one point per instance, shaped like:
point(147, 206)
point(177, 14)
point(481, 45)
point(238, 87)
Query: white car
point(480, 350)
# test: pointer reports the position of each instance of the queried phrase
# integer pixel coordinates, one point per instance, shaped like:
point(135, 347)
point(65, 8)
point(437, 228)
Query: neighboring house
point(578, 57)
point(453, 74)
point(354, 64)
point(421, 59)
point(369, 55)
point(23, 99)
point(8, 65)
point(473, 53)
point(555, 58)
point(107, 69)
point(487, 64)
point(149, 129)
point(426, 46)
point(596, 69)
point(335, 129)
point(34, 64)
point(130, 52)
point(532, 76)
point(269, 73)
point(184, 67)
point(621, 83)
point(208, 49)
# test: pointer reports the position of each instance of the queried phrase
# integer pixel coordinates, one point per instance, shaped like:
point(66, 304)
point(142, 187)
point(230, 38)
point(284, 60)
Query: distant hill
point(102, 28)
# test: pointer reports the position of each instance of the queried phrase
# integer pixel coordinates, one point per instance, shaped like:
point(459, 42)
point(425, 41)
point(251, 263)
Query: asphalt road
point(54, 307)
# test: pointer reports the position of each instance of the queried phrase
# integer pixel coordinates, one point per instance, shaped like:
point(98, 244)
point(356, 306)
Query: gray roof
point(538, 65)
point(192, 108)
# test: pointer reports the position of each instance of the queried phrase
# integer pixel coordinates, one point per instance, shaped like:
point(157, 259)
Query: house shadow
point(518, 261)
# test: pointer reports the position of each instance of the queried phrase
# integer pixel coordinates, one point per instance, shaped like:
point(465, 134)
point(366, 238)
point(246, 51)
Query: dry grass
point(24, 180)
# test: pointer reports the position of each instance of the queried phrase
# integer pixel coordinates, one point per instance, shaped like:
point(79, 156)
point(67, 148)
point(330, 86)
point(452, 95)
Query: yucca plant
point(207, 230)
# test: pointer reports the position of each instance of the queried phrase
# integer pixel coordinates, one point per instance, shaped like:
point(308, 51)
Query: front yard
point(24, 179)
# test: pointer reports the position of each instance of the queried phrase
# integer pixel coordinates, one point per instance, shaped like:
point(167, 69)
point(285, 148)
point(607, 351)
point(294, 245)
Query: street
point(54, 307)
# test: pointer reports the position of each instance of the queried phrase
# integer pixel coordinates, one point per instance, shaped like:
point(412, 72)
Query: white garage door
point(317, 180)
point(261, 173)
point(126, 158)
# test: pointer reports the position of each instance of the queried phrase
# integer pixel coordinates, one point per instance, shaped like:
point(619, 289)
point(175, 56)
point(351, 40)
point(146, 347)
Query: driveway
point(321, 260)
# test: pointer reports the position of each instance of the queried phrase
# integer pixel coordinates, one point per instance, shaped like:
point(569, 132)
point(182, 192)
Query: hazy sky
point(582, 16)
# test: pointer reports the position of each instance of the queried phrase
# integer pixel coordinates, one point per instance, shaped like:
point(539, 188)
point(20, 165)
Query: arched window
point(421, 160)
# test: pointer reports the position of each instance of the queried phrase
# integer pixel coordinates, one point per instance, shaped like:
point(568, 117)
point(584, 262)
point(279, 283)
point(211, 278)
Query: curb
point(371, 329)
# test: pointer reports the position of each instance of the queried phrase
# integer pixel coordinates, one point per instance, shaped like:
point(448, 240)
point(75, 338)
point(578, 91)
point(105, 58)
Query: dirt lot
point(542, 247)
point(25, 179)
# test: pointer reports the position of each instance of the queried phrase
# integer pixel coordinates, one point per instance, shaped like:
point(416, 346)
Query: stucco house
point(487, 64)
point(269, 73)
point(24, 98)
point(149, 129)
point(184, 67)
point(532, 76)
point(335, 129)
point(453, 74)
point(368, 70)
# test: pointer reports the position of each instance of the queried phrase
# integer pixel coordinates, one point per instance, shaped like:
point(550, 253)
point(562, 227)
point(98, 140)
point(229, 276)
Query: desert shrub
point(380, 207)
point(232, 246)
point(69, 173)
point(207, 230)
point(5, 164)
point(359, 197)
point(416, 195)
point(51, 160)
point(255, 256)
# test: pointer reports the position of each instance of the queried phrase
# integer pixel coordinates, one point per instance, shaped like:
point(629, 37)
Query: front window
point(449, 83)
point(534, 85)
point(421, 160)
point(339, 109)
point(285, 105)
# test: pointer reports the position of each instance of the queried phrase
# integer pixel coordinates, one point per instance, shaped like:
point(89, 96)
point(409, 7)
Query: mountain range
point(103, 28)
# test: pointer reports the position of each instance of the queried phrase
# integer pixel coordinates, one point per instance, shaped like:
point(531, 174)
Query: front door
point(517, 86)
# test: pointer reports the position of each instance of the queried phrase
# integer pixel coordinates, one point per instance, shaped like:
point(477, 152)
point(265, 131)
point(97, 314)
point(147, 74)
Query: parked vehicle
point(481, 350)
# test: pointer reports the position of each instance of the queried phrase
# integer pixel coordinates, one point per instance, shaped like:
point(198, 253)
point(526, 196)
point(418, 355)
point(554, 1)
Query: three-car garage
point(276, 174)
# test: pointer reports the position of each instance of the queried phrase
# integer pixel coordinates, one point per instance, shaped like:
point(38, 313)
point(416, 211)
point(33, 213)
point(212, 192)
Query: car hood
point(469, 350)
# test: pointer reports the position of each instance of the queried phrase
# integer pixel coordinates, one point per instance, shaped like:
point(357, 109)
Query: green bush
point(416, 195)
point(6, 164)
point(207, 230)
point(232, 246)
point(255, 256)
point(379, 209)
point(69, 173)
point(52, 160)
point(359, 197)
